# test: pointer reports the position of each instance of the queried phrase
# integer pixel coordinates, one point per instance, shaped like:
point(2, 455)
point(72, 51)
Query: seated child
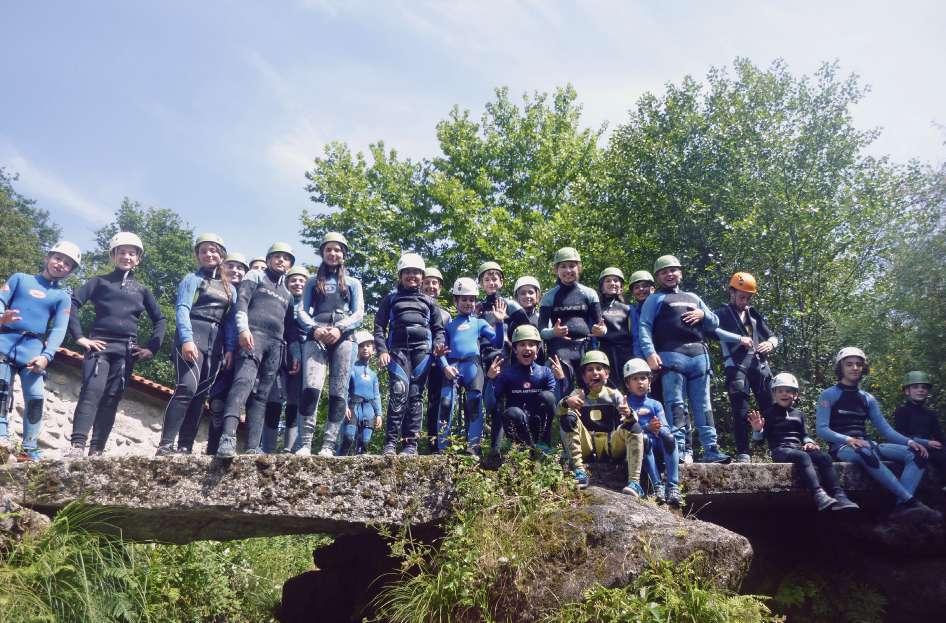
point(526, 389)
point(915, 420)
point(364, 399)
point(596, 421)
point(651, 418)
point(784, 428)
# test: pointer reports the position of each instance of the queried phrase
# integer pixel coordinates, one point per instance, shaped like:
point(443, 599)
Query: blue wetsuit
point(463, 339)
point(364, 400)
point(843, 411)
point(648, 409)
point(527, 395)
point(39, 302)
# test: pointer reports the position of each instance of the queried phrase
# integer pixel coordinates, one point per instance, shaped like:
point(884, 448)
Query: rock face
point(16, 521)
point(186, 498)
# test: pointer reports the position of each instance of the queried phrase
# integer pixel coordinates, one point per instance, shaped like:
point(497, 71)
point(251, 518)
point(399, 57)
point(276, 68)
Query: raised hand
point(756, 421)
point(576, 400)
point(495, 368)
point(599, 329)
point(499, 310)
point(560, 330)
point(556, 365)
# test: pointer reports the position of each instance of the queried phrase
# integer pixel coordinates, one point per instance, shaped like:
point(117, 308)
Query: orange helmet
point(744, 282)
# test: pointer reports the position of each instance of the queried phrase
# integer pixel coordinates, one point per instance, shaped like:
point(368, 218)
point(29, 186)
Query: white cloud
point(40, 183)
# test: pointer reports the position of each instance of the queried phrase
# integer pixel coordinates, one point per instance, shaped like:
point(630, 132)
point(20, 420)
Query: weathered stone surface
point(16, 521)
point(623, 534)
point(186, 498)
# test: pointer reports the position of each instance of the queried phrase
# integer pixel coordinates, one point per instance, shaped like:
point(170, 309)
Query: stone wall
point(137, 424)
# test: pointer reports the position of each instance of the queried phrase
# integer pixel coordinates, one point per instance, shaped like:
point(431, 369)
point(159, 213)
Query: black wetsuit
point(617, 343)
point(916, 421)
point(119, 301)
point(785, 433)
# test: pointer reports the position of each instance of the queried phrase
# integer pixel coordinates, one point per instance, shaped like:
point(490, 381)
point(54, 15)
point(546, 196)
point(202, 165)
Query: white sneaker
point(303, 451)
point(326, 452)
point(687, 458)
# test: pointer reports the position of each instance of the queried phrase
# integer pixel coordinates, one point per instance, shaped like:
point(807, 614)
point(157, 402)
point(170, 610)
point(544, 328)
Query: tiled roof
point(74, 359)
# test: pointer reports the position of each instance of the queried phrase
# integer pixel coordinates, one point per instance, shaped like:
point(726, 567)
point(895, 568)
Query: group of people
point(258, 338)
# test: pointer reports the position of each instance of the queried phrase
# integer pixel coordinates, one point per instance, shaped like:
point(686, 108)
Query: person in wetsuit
point(432, 286)
point(916, 420)
point(112, 345)
point(34, 316)
point(618, 341)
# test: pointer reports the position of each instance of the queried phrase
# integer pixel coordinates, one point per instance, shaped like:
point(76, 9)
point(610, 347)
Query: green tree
point(168, 256)
point(504, 189)
point(35, 233)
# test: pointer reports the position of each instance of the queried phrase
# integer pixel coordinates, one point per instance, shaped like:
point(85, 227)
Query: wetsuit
point(662, 442)
point(686, 365)
point(287, 389)
point(204, 314)
point(916, 421)
point(364, 400)
point(515, 316)
point(578, 308)
point(746, 369)
point(786, 435)
point(618, 342)
point(345, 312)
point(463, 339)
point(435, 383)
point(527, 396)
point(407, 327)
point(119, 301)
point(42, 304)
point(264, 309)
point(624, 441)
point(843, 412)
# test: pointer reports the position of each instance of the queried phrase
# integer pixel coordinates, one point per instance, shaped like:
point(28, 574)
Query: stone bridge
point(187, 498)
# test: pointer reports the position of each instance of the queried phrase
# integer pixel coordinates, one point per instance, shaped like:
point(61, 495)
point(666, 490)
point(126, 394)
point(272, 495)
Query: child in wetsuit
point(784, 428)
point(364, 399)
point(916, 420)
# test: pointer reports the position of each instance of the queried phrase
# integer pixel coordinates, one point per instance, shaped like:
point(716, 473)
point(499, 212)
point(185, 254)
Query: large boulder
point(16, 522)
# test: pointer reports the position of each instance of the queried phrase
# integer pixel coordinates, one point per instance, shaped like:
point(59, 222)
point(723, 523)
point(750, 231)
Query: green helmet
point(641, 275)
point(666, 261)
point(210, 237)
point(239, 258)
point(611, 271)
point(297, 270)
point(485, 266)
point(526, 332)
point(594, 356)
point(433, 271)
point(917, 377)
point(281, 247)
point(566, 254)
point(334, 236)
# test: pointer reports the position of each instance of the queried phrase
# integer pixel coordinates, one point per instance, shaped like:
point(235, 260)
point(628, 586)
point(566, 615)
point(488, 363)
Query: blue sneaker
point(633, 489)
point(581, 477)
point(714, 455)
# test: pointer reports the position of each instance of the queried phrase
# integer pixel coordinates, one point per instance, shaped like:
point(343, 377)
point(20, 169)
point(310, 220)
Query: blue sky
point(216, 109)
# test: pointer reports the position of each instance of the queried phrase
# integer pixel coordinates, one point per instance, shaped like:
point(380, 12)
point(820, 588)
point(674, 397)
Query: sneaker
point(633, 489)
point(843, 503)
point(75, 451)
point(410, 448)
point(390, 449)
point(227, 447)
point(742, 457)
point(915, 510)
point(674, 498)
point(660, 494)
point(28, 455)
point(164, 450)
point(581, 477)
point(544, 448)
point(254, 451)
point(305, 450)
point(326, 452)
point(822, 500)
point(184, 450)
point(95, 451)
point(713, 455)
point(686, 458)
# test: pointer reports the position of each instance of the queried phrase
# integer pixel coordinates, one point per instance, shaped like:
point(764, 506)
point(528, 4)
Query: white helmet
point(411, 260)
point(69, 249)
point(849, 351)
point(464, 286)
point(635, 366)
point(528, 280)
point(784, 379)
point(363, 336)
point(125, 238)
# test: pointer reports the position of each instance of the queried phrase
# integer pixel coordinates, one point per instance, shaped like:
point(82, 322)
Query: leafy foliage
point(28, 231)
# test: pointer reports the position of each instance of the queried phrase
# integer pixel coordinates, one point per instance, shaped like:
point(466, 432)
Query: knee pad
point(669, 443)
point(679, 415)
point(569, 422)
point(34, 410)
point(336, 408)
